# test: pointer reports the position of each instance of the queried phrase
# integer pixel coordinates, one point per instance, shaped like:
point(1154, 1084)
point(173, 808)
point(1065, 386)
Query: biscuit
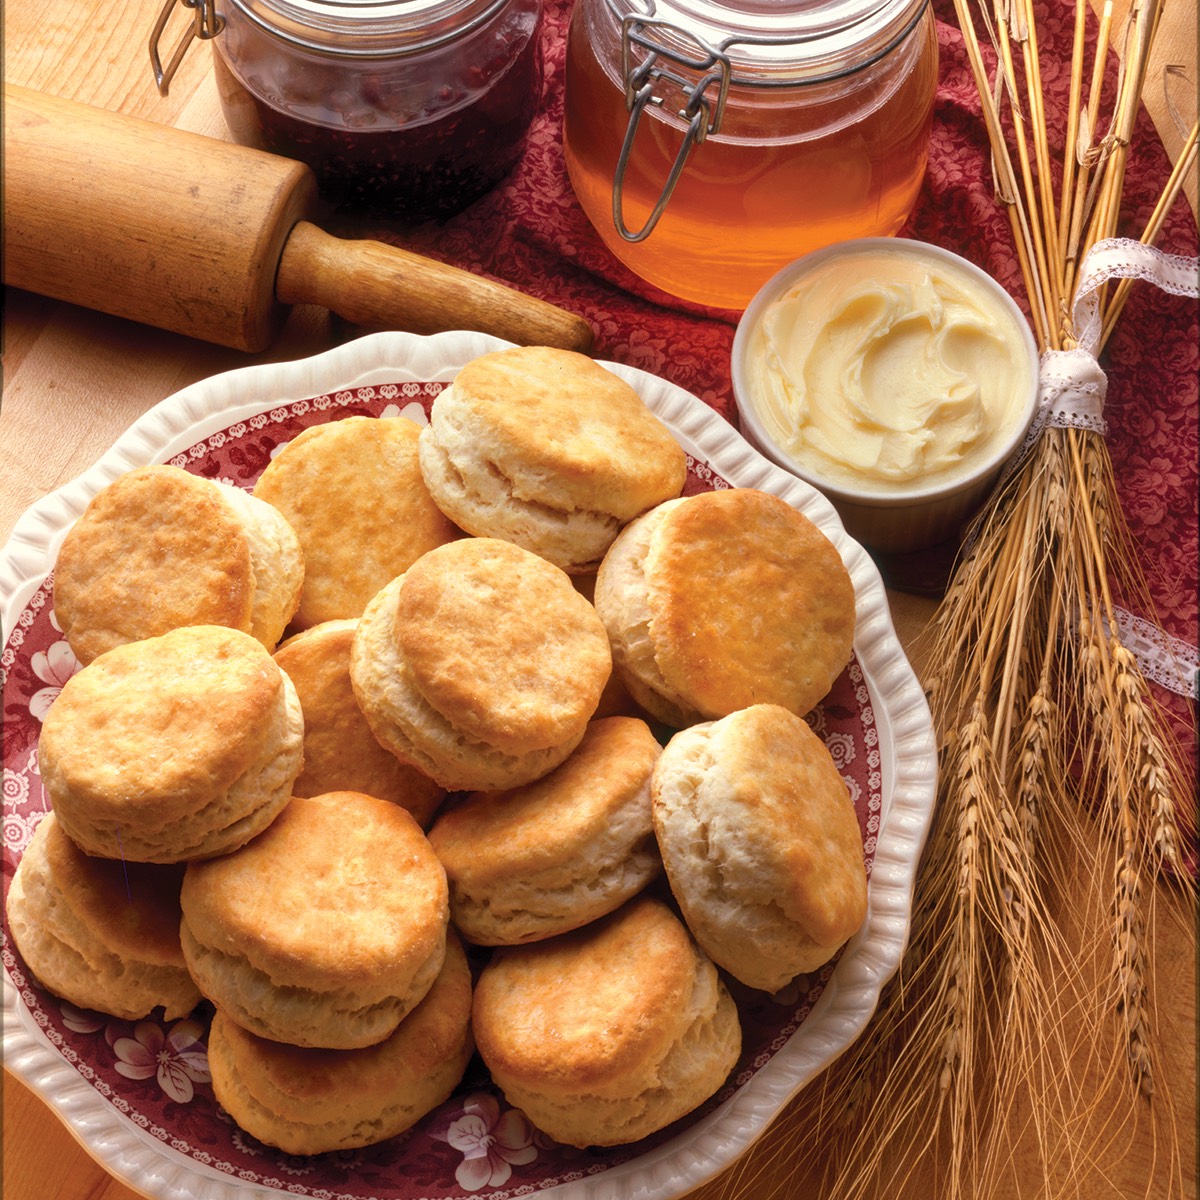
point(761, 844)
point(311, 1101)
point(171, 748)
point(604, 1035)
point(100, 934)
point(547, 449)
point(340, 752)
point(481, 665)
point(724, 599)
point(353, 492)
point(160, 548)
point(326, 930)
point(542, 859)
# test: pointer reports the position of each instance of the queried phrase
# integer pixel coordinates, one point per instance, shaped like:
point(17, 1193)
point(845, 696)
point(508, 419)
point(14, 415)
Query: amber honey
point(790, 170)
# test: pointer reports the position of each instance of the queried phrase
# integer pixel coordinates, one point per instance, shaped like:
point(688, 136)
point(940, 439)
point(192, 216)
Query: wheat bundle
point(1063, 801)
point(1011, 1033)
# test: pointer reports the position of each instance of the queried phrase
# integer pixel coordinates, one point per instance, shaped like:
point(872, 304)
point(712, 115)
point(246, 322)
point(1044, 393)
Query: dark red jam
point(376, 145)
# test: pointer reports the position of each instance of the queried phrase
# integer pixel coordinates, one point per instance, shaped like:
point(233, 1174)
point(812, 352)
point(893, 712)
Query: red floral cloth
point(531, 233)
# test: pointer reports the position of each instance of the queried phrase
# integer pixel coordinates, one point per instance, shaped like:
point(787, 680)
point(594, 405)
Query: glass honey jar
point(710, 142)
point(411, 109)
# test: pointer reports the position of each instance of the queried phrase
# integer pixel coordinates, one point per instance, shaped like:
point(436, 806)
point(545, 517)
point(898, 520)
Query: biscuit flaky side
point(481, 665)
point(623, 604)
point(156, 549)
point(531, 862)
point(341, 754)
point(311, 1101)
point(326, 930)
point(101, 934)
point(761, 844)
point(607, 1034)
point(546, 448)
point(277, 560)
point(174, 747)
point(352, 489)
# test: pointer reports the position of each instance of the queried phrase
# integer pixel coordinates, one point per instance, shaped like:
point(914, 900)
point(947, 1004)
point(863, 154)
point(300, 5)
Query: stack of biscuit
point(342, 996)
point(539, 720)
point(480, 665)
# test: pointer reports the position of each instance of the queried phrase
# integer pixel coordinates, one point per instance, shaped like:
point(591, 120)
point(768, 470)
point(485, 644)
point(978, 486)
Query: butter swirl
point(888, 370)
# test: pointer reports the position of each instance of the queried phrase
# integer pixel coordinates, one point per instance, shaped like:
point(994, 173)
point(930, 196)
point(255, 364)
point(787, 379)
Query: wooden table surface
point(62, 363)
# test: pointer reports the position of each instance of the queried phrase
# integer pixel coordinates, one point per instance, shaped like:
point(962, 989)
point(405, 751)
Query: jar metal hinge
point(705, 90)
point(205, 24)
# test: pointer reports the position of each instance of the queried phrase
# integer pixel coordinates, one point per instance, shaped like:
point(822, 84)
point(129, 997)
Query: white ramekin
point(902, 518)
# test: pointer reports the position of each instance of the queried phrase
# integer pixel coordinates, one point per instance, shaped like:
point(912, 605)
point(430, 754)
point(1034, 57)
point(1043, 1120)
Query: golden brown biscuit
point(159, 548)
point(547, 449)
point(545, 858)
point(102, 934)
point(310, 1101)
point(172, 748)
point(480, 665)
point(761, 844)
point(353, 492)
point(326, 930)
point(724, 599)
point(340, 751)
point(609, 1033)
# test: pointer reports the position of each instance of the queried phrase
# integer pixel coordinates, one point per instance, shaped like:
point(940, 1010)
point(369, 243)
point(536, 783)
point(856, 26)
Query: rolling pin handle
point(378, 285)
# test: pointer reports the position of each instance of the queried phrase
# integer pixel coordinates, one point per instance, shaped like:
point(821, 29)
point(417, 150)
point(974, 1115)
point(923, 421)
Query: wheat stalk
point(1049, 737)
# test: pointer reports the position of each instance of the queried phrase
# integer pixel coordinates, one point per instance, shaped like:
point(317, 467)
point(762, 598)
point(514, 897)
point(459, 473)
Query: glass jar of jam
point(411, 109)
point(712, 141)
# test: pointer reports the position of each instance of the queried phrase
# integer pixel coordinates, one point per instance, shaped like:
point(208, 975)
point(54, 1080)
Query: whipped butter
point(890, 370)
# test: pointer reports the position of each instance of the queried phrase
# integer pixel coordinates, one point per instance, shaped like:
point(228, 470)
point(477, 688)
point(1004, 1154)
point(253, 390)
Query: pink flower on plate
point(53, 667)
point(414, 412)
point(491, 1142)
point(178, 1058)
point(82, 1020)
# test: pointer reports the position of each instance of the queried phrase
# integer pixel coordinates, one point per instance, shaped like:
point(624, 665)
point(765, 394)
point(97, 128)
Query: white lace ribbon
point(1072, 384)
point(1168, 661)
point(1123, 258)
point(1071, 393)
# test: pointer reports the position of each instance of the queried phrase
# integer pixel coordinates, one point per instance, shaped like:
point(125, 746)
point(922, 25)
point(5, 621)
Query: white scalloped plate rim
point(902, 716)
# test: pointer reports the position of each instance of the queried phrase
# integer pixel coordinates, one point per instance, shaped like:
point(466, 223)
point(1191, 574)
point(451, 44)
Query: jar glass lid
point(390, 28)
point(767, 43)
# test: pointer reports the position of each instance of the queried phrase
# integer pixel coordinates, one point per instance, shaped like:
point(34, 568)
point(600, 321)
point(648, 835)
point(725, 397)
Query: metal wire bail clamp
point(205, 24)
point(702, 115)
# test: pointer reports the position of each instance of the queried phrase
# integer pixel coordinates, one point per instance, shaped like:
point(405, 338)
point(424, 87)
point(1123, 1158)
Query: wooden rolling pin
point(216, 240)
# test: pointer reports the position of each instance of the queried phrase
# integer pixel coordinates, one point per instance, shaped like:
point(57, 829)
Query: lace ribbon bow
point(1072, 388)
point(1072, 384)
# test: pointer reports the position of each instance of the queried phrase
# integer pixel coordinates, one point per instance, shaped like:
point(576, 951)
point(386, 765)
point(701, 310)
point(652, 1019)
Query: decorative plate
point(138, 1094)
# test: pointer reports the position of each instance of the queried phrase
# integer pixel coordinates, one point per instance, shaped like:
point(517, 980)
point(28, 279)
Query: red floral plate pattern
point(138, 1094)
